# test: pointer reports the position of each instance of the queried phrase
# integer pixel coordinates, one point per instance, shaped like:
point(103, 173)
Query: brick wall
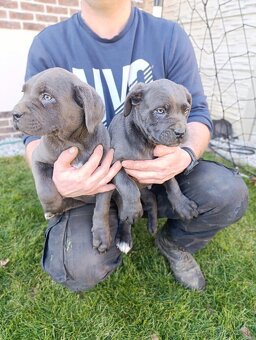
point(35, 15)
point(6, 127)
point(30, 15)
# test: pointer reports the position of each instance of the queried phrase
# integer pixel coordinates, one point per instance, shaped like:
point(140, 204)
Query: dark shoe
point(184, 266)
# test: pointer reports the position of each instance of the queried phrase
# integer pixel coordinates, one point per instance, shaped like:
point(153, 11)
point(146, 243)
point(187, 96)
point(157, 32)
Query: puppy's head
point(160, 110)
point(56, 101)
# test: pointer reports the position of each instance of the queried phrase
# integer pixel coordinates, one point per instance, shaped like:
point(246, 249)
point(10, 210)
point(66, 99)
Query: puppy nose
point(179, 133)
point(16, 115)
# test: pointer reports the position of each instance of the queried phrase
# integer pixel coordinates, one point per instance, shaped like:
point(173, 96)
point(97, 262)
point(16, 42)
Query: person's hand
point(170, 162)
point(92, 178)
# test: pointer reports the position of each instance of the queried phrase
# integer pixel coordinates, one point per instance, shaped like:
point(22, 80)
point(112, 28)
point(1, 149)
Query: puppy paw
point(124, 237)
point(101, 239)
point(124, 247)
point(49, 215)
point(152, 226)
point(185, 208)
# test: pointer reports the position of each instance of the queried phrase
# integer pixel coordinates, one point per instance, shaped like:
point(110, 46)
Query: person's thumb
point(66, 157)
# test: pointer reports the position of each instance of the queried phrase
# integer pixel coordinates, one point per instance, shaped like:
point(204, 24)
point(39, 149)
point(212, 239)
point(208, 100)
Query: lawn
point(140, 300)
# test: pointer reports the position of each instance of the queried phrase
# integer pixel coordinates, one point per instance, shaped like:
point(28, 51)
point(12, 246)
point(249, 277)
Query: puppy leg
point(101, 230)
point(150, 206)
point(127, 198)
point(184, 207)
point(130, 207)
point(124, 232)
point(52, 202)
point(124, 237)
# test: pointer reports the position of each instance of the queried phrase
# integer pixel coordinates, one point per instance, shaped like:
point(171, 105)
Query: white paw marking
point(48, 215)
point(124, 247)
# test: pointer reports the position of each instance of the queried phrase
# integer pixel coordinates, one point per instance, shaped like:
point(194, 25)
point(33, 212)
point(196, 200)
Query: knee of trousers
point(218, 191)
point(69, 257)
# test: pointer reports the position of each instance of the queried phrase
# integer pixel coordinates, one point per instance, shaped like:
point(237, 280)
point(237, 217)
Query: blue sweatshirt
point(148, 48)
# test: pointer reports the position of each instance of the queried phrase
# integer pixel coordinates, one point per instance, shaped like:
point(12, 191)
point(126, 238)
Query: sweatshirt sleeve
point(183, 69)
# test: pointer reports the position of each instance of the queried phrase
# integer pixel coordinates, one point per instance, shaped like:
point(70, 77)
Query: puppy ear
point(92, 104)
point(133, 98)
point(189, 97)
point(187, 93)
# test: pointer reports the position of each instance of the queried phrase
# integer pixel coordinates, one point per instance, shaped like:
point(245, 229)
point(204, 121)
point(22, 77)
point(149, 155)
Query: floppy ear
point(92, 104)
point(189, 97)
point(133, 98)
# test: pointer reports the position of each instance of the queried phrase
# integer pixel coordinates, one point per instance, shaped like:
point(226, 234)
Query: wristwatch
point(194, 161)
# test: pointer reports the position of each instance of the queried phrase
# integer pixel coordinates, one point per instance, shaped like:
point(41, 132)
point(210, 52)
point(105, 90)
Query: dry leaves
point(253, 180)
point(154, 337)
point(246, 333)
point(3, 263)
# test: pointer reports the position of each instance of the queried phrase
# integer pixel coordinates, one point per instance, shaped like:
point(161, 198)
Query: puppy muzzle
point(179, 134)
point(172, 137)
point(16, 116)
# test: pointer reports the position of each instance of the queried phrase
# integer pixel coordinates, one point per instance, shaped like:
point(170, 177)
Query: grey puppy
point(154, 113)
point(66, 112)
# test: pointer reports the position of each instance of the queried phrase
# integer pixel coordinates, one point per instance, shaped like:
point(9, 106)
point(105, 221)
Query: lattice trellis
point(223, 33)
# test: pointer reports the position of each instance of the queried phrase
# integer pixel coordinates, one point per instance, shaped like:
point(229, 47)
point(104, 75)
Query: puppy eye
point(160, 111)
point(185, 108)
point(47, 97)
point(186, 112)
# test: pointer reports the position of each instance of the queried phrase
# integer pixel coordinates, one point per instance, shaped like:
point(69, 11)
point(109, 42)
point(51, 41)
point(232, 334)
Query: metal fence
point(223, 33)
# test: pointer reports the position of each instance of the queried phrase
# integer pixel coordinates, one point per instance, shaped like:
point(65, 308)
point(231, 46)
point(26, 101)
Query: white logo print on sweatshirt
point(130, 76)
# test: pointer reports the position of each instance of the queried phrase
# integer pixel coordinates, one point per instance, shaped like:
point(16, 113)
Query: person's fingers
point(105, 188)
point(143, 165)
point(106, 163)
point(115, 168)
point(152, 181)
point(93, 162)
point(105, 173)
point(66, 157)
point(141, 175)
point(162, 150)
point(103, 168)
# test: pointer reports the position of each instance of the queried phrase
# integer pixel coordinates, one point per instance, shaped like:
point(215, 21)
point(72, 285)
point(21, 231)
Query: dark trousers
point(222, 199)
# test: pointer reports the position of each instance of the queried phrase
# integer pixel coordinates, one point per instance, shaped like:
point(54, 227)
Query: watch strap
point(194, 161)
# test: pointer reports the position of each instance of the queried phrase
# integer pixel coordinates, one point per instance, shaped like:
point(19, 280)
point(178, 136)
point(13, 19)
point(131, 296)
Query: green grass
point(139, 300)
